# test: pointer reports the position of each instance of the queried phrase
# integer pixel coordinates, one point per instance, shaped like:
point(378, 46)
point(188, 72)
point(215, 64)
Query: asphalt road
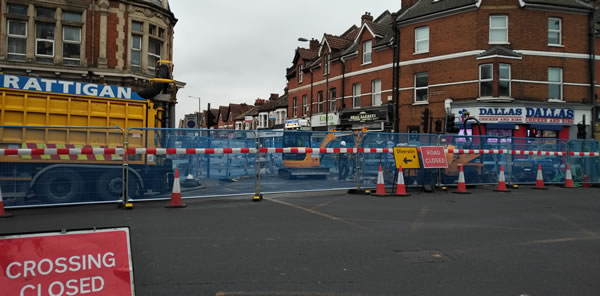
point(329, 243)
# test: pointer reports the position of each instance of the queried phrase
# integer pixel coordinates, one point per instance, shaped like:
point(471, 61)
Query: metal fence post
point(509, 164)
point(125, 202)
point(257, 167)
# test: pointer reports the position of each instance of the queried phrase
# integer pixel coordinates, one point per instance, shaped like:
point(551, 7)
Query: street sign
point(94, 262)
point(434, 157)
point(407, 157)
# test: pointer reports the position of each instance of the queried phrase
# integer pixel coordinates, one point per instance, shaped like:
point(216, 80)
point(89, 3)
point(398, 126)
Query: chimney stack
point(314, 44)
point(274, 97)
point(366, 17)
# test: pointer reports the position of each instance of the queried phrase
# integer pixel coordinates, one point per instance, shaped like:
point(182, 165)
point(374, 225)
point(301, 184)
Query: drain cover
point(423, 256)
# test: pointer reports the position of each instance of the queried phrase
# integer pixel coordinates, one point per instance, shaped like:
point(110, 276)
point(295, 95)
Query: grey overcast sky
point(236, 51)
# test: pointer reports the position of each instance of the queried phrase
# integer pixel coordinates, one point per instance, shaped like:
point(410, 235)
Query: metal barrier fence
point(74, 165)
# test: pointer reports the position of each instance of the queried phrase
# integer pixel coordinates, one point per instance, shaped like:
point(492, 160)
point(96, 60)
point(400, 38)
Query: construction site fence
point(43, 166)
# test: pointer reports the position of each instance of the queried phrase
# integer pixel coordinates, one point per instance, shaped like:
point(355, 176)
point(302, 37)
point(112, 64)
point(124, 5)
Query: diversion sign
point(92, 262)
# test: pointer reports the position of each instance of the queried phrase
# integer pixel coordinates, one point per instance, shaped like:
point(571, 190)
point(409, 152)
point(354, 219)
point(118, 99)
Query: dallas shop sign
point(521, 115)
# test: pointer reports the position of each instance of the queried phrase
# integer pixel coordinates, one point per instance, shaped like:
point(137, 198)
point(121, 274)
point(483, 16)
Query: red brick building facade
point(521, 67)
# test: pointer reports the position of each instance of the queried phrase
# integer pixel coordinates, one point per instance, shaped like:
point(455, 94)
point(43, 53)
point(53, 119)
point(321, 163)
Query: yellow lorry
point(28, 105)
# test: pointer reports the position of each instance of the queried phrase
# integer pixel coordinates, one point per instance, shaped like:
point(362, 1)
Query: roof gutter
point(437, 14)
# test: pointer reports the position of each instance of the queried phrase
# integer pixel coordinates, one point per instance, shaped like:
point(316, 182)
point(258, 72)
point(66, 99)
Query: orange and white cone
point(462, 186)
point(176, 195)
point(400, 187)
point(539, 180)
point(502, 181)
point(380, 190)
point(569, 178)
point(3, 214)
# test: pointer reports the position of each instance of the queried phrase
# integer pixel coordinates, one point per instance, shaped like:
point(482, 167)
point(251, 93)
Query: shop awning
point(547, 127)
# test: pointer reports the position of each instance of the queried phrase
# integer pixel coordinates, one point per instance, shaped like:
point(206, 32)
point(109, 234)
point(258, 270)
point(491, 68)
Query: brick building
point(115, 42)
point(521, 67)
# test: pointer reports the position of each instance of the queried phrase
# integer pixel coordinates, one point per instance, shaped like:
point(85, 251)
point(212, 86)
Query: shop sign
point(292, 123)
point(324, 119)
point(363, 116)
point(248, 118)
point(519, 115)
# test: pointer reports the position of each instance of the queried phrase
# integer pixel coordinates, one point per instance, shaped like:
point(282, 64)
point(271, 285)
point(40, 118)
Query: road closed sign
point(94, 262)
point(434, 157)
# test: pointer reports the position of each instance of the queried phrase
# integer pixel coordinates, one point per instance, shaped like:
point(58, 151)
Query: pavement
point(525, 242)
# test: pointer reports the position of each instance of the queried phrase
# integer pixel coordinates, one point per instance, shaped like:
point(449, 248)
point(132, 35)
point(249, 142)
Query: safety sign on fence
point(96, 262)
point(434, 157)
point(407, 157)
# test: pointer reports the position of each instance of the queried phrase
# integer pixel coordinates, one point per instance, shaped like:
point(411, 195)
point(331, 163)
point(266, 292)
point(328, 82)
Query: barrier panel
point(585, 169)
point(530, 153)
point(43, 165)
point(210, 162)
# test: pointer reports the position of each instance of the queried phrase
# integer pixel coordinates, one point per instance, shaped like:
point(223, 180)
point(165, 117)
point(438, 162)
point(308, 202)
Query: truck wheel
point(110, 186)
point(59, 186)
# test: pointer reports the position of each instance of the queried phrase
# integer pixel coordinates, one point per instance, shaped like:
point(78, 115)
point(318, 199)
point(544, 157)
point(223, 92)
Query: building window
point(137, 27)
point(504, 81)
point(554, 31)
point(421, 87)
point(326, 64)
point(44, 42)
point(49, 13)
point(72, 16)
point(71, 45)
point(367, 50)
point(300, 68)
point(304, 105)
point(136, 52)
point(422, 39)
point(486, 80)
point(295, 106)
point(332, 100)
point(376, 92)
point(154, 50)
point(17, 40)
point(498, 29)
point(555, 84)
point(320, 102)
point(17, 9)
point(356, 95)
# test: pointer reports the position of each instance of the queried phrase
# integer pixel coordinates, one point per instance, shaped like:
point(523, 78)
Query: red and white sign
point(434, 157)
point(91, 262)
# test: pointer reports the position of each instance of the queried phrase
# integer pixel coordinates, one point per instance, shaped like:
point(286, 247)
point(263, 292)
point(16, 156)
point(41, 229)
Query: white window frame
point(153, 67)
point(500, 79)
point(356, 95)
point(300, 74)
point(16, 37)
point(418, 41)
point(320, 102)
point(505, 29)
point(45, 40)
point(367, 47)
point(420, 88)
point(332, 99)
point(137, 66)
point(295, 106)
point(326, 64)
point(72, 42)
point(304, 105)
point(559, 83)
point(376, 93)
point(491, 79)
point(559, 31)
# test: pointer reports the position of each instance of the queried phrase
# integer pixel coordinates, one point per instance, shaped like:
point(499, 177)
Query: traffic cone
point(176, 195)
point(3, 214)
point(462, 187)
point(569, 178)
point(380, 190)
point(502, 181)
point(539, 182)
point(400, 187)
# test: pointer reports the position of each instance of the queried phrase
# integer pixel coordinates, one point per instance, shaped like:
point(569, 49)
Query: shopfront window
point(538, 133)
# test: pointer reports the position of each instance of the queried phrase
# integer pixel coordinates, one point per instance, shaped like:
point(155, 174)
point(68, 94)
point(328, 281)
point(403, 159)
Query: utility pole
point(199, 111)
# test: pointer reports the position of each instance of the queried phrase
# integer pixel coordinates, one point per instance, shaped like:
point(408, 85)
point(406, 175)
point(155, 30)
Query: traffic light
point(425, 120)
point(438, 125)
point(210, 118)
point(581, 133)
point(450, 127)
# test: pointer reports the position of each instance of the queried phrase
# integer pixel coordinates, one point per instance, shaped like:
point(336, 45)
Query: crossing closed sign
point(434, 157)
point(94, 262)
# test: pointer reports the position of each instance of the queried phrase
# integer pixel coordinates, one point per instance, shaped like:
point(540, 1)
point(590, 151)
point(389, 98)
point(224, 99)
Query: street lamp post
point(199, 110)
